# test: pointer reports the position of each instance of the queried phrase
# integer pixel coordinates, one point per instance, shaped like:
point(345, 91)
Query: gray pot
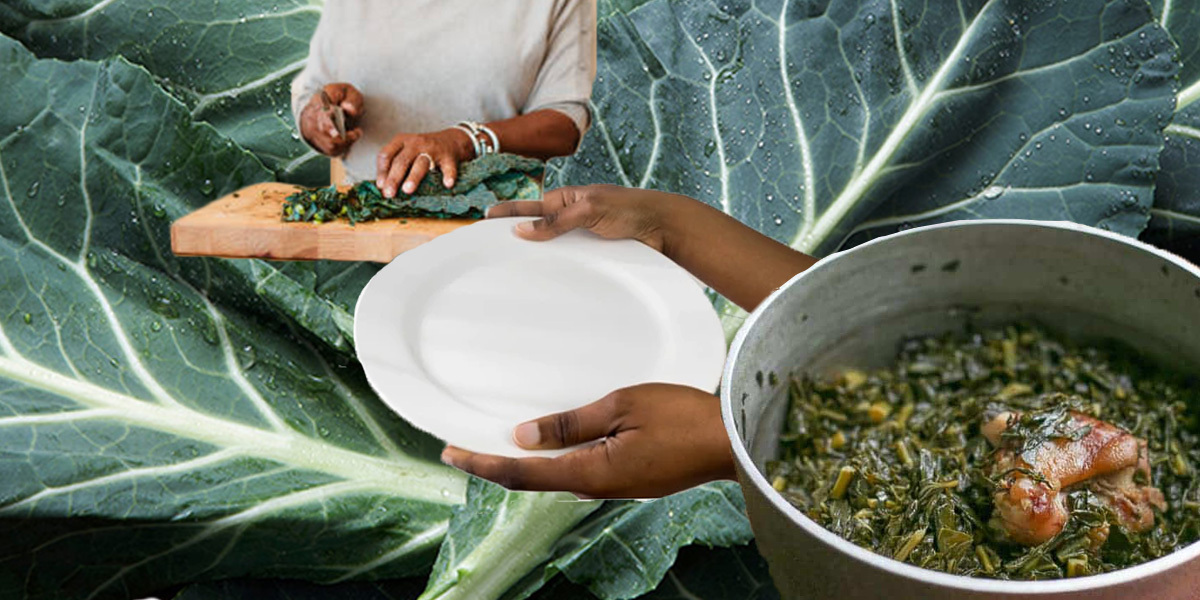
point(852, 309)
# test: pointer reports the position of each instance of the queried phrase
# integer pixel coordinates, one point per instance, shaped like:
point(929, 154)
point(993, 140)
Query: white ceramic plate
point(479, 330)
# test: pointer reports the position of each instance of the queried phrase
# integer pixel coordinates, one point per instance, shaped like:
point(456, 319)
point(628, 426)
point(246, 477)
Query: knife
point(336, 114)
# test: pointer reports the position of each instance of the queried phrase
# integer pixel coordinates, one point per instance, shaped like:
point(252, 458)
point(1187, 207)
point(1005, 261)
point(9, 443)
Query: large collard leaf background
point(823, 123)
point(231, 64)
point(801, 118)
point(147, 435)
point(1176, 215)
point(185, 437)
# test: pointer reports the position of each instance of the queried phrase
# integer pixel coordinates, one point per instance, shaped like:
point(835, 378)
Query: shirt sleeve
point(315, 74)
point(564, 82)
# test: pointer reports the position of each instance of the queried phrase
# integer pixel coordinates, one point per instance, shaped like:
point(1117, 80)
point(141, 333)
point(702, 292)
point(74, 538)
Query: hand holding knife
point(336, 114)
point(329, 121)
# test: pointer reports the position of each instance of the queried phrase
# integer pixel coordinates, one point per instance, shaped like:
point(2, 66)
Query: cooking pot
point(853, 308)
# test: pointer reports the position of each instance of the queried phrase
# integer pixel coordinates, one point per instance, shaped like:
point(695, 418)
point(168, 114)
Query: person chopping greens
point(401, 88)
point(654, 439)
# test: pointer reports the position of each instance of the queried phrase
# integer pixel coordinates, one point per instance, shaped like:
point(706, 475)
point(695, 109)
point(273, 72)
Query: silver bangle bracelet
point(491, 134)
point(489, 144)
point(465, 127)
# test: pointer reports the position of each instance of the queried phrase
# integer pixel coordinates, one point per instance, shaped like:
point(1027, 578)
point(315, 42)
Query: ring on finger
point(432, 165)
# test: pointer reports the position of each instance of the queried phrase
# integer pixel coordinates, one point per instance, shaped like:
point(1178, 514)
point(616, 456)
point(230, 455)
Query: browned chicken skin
point(1105, 459)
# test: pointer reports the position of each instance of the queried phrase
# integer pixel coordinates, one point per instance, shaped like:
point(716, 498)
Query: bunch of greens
point(481, 184)
point(894, 460)
point(171, 420)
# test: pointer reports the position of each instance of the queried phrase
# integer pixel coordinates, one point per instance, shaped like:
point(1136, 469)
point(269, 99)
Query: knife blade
point(336, 114)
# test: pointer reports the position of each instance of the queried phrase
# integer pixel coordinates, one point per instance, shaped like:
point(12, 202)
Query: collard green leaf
point(317, 297)
point(828, 123)
point(1175, 219)
point(499, 536)
point(324, 489)
point(231, 63)
point(149, 435)
point(624, 549)
point(737, 573)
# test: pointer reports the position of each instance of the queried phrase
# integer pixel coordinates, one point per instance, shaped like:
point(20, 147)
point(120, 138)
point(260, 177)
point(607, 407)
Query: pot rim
point(902, 569)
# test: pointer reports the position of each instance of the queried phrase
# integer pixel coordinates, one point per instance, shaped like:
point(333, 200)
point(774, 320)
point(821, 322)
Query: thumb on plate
point(560, 430)
point(554, 224)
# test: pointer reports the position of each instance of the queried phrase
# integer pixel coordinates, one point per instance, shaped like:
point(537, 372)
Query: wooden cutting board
point(247, 224)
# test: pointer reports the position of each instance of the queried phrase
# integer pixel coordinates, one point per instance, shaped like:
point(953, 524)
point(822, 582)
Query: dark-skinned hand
point(316, 124)
point(655, 439)
point(609, 211)
point(408, 157)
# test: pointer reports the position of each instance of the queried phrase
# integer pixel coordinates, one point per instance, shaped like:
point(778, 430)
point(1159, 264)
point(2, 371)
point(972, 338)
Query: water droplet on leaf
point(248, 357)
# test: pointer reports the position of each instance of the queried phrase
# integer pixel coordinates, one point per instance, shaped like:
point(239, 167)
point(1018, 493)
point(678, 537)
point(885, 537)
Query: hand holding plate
point(654, 440)
point(610, 211)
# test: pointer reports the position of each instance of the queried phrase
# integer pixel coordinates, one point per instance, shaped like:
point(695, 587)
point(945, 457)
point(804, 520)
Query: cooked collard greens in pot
point(1005, 454)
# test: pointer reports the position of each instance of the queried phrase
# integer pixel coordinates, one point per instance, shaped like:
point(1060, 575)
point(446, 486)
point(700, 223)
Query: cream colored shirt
point(424, 65)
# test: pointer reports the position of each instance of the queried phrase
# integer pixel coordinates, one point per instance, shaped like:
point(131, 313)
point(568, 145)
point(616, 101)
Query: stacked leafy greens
point(481, 183)
point(894, 460)
point(167, 420)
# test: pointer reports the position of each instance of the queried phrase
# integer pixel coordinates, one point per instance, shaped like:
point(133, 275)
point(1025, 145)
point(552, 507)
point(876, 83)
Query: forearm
point(540, 134)
point(735, 260)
